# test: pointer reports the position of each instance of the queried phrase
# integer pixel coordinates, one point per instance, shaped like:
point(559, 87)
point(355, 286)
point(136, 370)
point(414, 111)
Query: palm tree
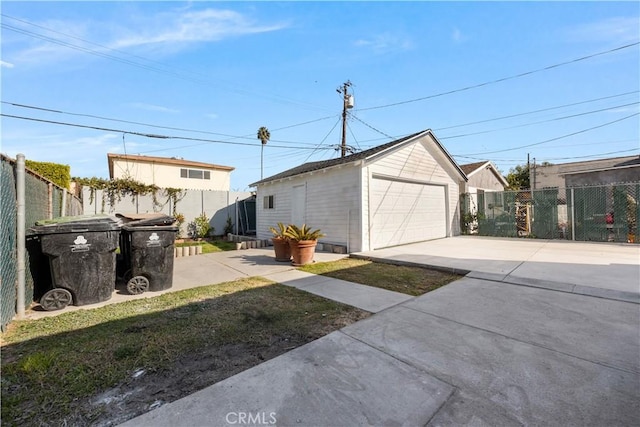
point(263, 136)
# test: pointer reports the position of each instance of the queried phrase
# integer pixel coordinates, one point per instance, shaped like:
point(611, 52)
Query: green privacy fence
point(607, 213)
point(43, 200)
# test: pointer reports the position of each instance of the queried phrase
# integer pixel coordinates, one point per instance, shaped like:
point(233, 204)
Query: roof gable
point(472, 168)
point(363, 155)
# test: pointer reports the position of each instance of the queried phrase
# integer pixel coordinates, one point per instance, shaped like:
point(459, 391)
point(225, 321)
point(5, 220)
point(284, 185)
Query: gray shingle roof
point(470, 167)
point(323, 164)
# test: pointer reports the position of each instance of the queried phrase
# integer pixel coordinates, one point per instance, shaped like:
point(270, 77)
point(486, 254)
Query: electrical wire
point(323, 140)
point(153, 125)
point(551, 158)
point(539, 122)
point(370, 127)
point(553, 139)
point(527, 73)
point(538, 111)
point(165, 70)
point(146, 135)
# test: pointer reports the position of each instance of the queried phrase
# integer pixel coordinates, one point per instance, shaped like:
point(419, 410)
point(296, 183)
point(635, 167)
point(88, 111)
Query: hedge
point(56, 173)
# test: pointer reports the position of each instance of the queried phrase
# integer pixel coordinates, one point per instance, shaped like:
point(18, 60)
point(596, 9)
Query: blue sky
point(220, 70)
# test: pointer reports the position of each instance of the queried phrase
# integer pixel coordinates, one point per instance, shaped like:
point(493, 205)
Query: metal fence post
point(573, 216)
point(63, 208)
point(20, 234)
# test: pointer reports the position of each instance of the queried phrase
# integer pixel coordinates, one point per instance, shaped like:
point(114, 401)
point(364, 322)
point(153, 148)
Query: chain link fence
point(43, 200)
point(8, 258)
point(605, 213)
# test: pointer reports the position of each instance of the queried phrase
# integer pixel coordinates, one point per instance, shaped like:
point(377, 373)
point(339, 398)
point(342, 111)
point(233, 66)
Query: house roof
point(471, 168)
point(629, 163)
point(172, 161)
point(366, 154)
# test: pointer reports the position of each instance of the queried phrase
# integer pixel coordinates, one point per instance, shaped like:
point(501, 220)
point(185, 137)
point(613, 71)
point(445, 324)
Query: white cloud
point(618, 30)
point(212, 116)
point(166, 32)
point(6, 64)
point(193, 26)
point(385, 43)
point(151, 107)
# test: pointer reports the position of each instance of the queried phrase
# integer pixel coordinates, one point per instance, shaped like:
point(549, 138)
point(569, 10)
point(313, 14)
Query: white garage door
point(406, 212)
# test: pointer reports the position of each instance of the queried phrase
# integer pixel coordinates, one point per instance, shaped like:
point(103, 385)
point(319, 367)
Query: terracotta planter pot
point(282, 249)
point(302, 251)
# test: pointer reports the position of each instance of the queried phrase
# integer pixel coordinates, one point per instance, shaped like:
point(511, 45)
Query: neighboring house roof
point(631, 163)
point(472, 168)
point(172, 161)
point(363, 155)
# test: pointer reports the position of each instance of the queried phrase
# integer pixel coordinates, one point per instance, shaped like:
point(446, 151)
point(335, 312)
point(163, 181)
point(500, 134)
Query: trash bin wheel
point(137, 285)
point(56, 299)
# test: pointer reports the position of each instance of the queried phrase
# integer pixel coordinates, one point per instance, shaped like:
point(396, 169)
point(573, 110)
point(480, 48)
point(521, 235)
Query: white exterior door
point(406, 212)
point(298, 205)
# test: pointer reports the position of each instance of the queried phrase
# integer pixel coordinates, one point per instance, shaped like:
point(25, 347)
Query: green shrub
point(200, 227)
point(59, 174)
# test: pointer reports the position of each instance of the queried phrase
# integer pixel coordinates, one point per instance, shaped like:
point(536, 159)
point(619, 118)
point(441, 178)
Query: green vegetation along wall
point(54, 172)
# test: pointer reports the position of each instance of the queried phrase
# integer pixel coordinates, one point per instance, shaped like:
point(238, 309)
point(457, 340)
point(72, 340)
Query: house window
point(195, 174)
point(268, 202)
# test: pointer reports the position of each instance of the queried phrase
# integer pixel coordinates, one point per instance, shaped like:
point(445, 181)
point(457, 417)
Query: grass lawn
point(106, 365)
point(407, 280)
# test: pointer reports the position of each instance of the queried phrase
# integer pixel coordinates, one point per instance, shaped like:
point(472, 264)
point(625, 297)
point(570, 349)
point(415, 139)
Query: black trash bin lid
point(74, 224)
point(143, 220)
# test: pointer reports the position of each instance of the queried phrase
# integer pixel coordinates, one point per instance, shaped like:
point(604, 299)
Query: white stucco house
point(401, 192)
point(170, 172)
point(483, 177)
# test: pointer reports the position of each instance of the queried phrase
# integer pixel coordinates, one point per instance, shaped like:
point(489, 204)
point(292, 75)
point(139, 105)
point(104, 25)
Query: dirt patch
point(105, 366)
point(145, 391)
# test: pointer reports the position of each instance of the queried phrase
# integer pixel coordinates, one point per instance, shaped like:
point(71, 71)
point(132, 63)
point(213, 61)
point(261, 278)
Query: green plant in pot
point(303, 241)
point(281, 243)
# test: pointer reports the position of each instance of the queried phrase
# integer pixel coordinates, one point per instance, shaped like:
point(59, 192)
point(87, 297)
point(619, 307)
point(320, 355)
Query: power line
point(156, 126)
point(370, 127)
point(539, 122)
point(165, 70)
point(556, 138)
point(503, 78)
point(146, 135)
point(537, 111)
point(553, 158)
point(323, 140)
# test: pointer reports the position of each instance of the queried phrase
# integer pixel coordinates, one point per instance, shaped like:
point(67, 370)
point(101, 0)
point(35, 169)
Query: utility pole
point(347, 102)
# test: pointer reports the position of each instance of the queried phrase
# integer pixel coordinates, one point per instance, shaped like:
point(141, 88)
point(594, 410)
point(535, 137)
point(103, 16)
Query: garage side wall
point(331, 203)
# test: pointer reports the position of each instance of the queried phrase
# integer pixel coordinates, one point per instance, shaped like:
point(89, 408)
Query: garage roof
point(323, 164)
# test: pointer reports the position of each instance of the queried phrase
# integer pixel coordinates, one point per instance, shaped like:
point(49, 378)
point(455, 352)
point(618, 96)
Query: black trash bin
point(147, 254)
point(82, 260)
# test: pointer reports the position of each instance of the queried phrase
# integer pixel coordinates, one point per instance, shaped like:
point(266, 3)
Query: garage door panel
point(404, 212)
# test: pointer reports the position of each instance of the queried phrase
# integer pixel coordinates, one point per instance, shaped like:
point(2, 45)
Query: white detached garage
point(401, 192)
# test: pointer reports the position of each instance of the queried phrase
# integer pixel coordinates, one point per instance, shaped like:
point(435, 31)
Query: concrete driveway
point(481, 351)
point(602, 269)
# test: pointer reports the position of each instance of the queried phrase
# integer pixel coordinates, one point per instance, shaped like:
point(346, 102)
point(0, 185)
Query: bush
point(200, 227)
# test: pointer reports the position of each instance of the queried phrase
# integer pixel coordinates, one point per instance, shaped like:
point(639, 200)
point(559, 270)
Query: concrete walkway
point(475, 352)
point(208, 269)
